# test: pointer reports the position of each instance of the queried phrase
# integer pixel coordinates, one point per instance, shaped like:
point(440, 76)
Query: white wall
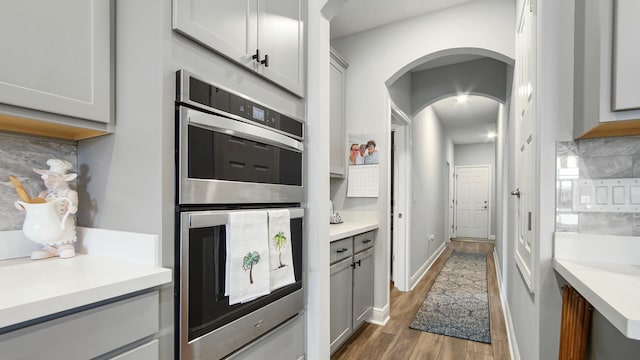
point(377, 56)
point(431, 148)
point(481, 154)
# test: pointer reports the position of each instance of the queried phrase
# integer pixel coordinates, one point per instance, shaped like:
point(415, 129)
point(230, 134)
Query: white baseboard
point(513, 345)
point(415, 278)
point(380, 316)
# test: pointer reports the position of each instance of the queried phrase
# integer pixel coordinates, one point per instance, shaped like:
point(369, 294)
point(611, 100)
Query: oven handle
point(217, 218)
point(242, 129)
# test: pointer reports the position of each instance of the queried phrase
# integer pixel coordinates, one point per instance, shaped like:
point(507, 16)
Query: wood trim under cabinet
point(41, 128)
point(614, 128)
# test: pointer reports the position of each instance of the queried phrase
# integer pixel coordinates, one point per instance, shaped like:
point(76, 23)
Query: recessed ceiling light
point(462, 98)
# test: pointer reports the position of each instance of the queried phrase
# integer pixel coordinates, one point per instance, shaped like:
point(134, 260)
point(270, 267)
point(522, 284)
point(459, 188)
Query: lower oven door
point(210, 328)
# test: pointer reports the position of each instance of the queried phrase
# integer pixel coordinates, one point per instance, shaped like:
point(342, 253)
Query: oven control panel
point(227, 102)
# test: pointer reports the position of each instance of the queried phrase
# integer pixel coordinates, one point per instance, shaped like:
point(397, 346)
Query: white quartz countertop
point(32, 289)
point(352, 225)
point(605, 270)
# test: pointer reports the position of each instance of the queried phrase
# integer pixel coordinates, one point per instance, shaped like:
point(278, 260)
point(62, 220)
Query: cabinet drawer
point(284, 342)
point(363, 241)
point(86, 334)
point(148, 351)
point(341, 249)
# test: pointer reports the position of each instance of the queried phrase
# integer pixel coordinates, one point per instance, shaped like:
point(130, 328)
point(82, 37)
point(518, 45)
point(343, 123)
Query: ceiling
point(465, 123)
point(361, 15)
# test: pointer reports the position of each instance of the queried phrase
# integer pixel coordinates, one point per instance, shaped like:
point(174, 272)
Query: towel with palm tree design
point(280, 255)
point(247, 264)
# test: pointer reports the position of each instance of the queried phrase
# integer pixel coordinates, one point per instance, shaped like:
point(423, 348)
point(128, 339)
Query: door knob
point(516, 192)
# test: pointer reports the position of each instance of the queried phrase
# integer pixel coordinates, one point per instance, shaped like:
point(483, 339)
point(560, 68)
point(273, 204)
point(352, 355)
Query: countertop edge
point(618, 320)
point(344, 230)
point(87, 295)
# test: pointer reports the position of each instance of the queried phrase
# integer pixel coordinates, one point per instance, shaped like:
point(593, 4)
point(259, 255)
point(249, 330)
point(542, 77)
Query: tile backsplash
point(598, 186)
point(18, 156)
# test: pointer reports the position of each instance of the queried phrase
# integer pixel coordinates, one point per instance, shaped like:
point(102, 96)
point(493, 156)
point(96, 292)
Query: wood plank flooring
point(396, 340)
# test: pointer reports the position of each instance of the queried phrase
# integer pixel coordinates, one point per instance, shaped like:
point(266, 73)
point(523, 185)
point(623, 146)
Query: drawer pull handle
point(366, 241)
point(341, 250)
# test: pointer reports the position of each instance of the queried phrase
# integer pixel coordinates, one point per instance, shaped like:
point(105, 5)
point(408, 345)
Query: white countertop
point(605, 270)
point(35, 288)
point(353, 225)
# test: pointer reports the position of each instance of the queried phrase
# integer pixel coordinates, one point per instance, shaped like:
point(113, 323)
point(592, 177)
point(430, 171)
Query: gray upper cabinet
point(337, 150)
point(265, 36)
point(626, 55)
point(57, 59)
point(605, 66)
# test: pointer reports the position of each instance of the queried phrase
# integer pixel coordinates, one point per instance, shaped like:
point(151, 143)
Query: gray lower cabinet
point(265, 36)
point(57, 62)
point(113, 331)
point(362, 286)
point(351, 286)
point(286, 342)
point(341, 302)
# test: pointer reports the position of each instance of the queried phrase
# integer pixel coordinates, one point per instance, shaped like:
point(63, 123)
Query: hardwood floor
point(396, 340)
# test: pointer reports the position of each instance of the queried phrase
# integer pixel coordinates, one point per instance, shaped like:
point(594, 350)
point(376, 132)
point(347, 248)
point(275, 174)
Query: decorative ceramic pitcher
point(42, 223)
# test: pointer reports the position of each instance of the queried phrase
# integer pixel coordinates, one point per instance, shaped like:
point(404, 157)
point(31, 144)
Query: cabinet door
point(362, 287)
point(56, 57)
point(228, 27)
point(340, 303)
point(337, 151)
point(280, 38)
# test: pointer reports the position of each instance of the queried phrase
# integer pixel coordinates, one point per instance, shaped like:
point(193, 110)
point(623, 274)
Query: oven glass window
point(219, 156)
point(209, 309)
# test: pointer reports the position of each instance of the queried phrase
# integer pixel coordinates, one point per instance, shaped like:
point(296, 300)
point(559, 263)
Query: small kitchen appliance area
point(237, 162)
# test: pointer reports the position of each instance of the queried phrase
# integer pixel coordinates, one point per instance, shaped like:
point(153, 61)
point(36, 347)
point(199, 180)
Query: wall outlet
point(431, 237)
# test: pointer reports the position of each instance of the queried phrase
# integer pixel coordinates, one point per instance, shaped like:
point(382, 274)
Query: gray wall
point(19, 155)
point(480, 154)
point(484, 76)
point(381, 55)
point(603, 158)
point(431, 148)
point(400, 93)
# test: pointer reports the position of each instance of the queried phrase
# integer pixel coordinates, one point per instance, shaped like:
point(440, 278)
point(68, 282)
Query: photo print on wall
point(363, 159)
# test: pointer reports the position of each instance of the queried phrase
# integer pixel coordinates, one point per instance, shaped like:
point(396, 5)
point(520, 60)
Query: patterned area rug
point(457, 304)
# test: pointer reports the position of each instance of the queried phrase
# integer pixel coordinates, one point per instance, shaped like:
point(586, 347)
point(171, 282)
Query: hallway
point(396, 340)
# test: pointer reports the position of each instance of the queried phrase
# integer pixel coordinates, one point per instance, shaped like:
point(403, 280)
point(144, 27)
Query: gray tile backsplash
point(18, 156)
point(601, 158)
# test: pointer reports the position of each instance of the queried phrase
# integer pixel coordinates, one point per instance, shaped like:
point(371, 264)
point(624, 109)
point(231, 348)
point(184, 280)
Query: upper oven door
point(227, 161)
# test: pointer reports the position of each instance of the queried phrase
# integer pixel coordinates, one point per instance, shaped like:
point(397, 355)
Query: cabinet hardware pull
point(256, 56)
point(366, 241)
point(341, 250)
point(359, 264)
point(265, 61)
point(353, 265)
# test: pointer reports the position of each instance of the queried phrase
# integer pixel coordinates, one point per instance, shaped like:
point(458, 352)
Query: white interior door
point(525, 148)
point(472, 201)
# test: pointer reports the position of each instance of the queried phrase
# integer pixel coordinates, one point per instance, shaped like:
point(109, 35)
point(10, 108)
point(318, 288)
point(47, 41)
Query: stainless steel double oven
point(232, 154)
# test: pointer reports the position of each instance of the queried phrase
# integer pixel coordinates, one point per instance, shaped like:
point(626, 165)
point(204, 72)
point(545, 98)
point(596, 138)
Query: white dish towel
point(280, 255)
point(247, 266)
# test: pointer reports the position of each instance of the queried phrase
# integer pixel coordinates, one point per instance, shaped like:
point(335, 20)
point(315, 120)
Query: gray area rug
point(458, 304)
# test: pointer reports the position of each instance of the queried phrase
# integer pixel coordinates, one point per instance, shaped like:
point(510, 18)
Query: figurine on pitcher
point(51, 224)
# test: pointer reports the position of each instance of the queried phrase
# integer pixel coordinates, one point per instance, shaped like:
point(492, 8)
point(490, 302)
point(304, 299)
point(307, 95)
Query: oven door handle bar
point(242, 129)
point(203, 219)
